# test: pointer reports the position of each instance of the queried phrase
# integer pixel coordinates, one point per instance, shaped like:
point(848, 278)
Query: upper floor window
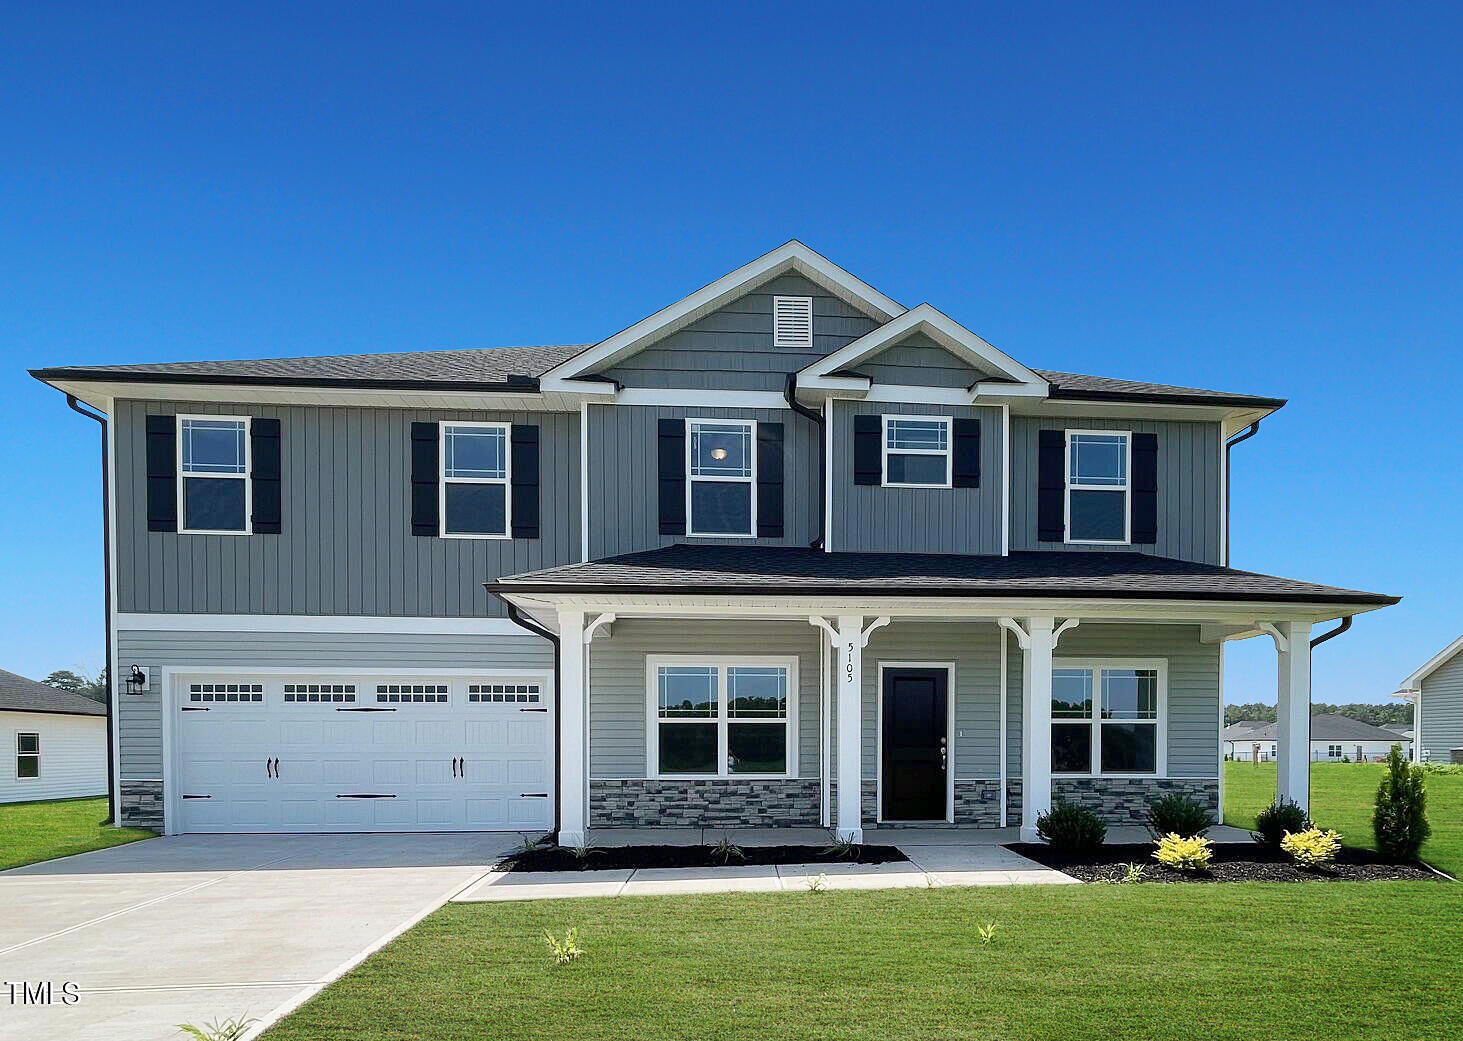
point(213, 474)
point(917, 451)
point(27, 756)
point(1098, 501)
point(722, 463)
point(475, 480)
point(1108, 717)
point(792, 321)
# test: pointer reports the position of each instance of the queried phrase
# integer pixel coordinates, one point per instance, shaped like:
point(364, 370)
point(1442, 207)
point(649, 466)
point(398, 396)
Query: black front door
point(915, 756)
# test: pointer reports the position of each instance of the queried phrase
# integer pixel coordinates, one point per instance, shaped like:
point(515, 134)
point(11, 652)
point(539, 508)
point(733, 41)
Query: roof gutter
point(110, 680)
point(790, 392)
point(1254, 429)
point(511, 385)
point(521, 620)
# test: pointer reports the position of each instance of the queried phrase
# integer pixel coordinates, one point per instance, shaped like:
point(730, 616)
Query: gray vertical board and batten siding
point(1441, 711)
point(139, 717)
point(624, 482)
point(346, 546)
point(872, 518)
point(731, 348)
point(1189, 474)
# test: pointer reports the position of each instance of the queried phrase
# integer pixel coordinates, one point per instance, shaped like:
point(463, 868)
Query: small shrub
point(843, 849)
point(565, 950)
point(1132, 873)
point(1275, 820)
point(726, 851)
point(585, 852)
point(218, 1030)
point(817, 883)
point(1399, 820)
point(1071, 829)
point(1184, 854)
point(1177, 812)
point(987, 933)
point(1313, 847)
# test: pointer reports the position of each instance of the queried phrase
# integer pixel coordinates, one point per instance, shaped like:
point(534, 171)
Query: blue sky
point(1242, 197)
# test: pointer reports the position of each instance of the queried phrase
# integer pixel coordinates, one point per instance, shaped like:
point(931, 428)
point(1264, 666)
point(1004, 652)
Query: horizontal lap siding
point(1189, 521)
point(73, 760)
point(140, 720)
point(619, 698)
point(920, 362)
point(346, 546)
point(1442, 711)
point(731, 349)
point(623, 479)
point(871, 518)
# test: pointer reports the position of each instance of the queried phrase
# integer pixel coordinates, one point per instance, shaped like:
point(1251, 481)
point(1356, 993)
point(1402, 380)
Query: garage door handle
point(195, 708)
point(198, 796)
point(367, 708)
point(533, 710)
point(533, 795)
point(360, 796)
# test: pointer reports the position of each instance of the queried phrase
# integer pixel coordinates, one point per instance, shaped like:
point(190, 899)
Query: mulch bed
point(608, 858)
point(1233, 862)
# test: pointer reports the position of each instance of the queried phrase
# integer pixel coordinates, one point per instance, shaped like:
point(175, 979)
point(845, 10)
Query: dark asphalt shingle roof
point(1324, 727)
point(736, 570)
point(500, 365)
point(18, 694)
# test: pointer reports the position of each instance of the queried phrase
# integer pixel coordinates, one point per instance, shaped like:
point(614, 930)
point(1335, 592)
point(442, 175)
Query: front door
point(916, 757)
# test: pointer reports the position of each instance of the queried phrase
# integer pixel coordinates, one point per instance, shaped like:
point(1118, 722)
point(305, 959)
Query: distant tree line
point(79, 683)
point(1394, 714)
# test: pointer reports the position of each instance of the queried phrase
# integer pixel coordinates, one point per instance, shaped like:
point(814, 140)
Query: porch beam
point(573, 712)
point(1036, 759)
point(1293, 710)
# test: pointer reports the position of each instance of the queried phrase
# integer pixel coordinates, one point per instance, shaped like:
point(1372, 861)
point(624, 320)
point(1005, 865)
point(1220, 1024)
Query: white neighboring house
point(53, 744)
point(1333, 739)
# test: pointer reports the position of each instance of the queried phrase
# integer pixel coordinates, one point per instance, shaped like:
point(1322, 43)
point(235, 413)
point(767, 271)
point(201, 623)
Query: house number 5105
point(848, 662)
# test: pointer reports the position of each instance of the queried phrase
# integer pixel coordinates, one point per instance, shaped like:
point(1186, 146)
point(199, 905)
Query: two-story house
point(785, 552)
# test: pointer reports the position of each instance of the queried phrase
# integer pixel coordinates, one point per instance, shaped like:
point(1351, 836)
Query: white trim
point(1004, 697)
point(1432, 665)
point(1096, 665)
point(948, 454)
point(443, 480)
point(721, 663)
point(247, 475)
point(778, 340)
point(583, 481)
point(702, 398)
point(36, 755)
point(828, 413)
point(1219, 762)
point(949, 334)
point(825, 727)
point(950, 765)
point(305, 623)
point(750, 480)
point(904, 393)
point(791, 256)
point(1126, 490)
point(1005, 487)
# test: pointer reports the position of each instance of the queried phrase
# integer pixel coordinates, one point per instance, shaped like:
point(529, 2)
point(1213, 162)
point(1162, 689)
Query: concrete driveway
point(195, 928)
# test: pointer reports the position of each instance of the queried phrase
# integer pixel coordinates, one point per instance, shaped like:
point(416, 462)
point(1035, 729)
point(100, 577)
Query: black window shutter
point(264, 475)
point(769, 480)
point(966, 470)
point(671, 452)
point(1145, 489)
point(868, 461)
point(524, 440)
point(162, 473)
point(424, 473)
point(1051, 487)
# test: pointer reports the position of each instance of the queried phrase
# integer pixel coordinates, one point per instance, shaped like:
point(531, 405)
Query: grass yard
point(1240, 961)
point(1341, 798)
point(35, 831)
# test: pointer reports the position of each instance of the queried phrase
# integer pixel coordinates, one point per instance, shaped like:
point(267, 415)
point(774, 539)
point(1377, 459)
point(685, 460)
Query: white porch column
point(573, 711)
point(1036, 755)
point(849, 820)
point(1293, 712)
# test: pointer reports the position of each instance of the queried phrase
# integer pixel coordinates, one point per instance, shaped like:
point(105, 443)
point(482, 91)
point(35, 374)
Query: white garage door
point(312, 753)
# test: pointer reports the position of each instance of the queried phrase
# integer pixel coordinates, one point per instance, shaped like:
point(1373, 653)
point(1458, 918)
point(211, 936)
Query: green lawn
point(1239, 961)
point(1341, 798)
point(34, 831)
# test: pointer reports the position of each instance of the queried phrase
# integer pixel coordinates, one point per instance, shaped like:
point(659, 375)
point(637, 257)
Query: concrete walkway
point(195, 928)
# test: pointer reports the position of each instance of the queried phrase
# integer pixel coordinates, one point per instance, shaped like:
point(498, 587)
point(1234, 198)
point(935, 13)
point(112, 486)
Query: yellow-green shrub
point(1184, 854)
point(1312, 847)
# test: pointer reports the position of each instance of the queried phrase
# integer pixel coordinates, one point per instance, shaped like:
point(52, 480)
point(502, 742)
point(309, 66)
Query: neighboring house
point(1436, 693)
point(53, 744)
point(796, 554)
point(1333, 739)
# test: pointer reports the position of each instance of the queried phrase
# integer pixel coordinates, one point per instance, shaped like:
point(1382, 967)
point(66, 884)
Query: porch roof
point(712, 570)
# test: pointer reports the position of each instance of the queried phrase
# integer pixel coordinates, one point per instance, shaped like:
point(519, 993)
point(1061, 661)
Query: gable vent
point(792, 321)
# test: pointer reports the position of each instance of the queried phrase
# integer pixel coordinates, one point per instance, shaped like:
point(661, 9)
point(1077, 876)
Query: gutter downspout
point(521, 620)
point(1345, 625)
point(1253, 429)
point(790, 392)
point(111, 684)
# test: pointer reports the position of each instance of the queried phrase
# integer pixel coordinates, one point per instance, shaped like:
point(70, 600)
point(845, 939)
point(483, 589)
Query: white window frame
point(443, 480)
point(1126, 490)
point(691, 532)
point(248, 528)
point(1334, 751)
point(776, 340)
point(884, 450)
point(721, 663)
point(36, 755)
point(1096, 666)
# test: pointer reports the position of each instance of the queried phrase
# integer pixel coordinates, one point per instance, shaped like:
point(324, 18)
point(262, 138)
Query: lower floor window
point(27, 756)
point(1107, 717)
point(721, 719)
point(1333, 752)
